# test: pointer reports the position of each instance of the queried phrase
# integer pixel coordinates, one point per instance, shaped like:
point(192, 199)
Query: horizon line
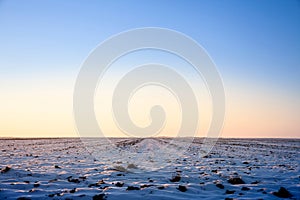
point(41, 138)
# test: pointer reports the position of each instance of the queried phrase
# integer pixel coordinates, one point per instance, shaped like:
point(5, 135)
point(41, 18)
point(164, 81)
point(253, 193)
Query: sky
point(255, 46)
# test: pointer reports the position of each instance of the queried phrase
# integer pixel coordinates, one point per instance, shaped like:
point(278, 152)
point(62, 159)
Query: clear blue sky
point(255, 44)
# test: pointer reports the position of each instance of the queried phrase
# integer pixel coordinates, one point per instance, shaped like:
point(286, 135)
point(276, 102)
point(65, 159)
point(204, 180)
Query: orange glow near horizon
point(41, 109)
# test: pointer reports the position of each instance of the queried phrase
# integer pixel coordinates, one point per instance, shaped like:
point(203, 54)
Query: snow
point(65, 169)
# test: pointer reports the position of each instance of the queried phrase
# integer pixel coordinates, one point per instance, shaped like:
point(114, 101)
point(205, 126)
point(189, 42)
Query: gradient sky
point(254, 44)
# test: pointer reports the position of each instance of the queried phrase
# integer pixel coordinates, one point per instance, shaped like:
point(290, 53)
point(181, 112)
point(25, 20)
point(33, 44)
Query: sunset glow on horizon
point(255, 46)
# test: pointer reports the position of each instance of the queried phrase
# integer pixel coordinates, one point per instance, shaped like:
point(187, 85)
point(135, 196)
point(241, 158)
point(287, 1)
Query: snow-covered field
point(65, 169)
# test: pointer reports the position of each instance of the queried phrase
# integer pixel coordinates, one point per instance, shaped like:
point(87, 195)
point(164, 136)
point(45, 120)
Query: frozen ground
point(64, 169)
